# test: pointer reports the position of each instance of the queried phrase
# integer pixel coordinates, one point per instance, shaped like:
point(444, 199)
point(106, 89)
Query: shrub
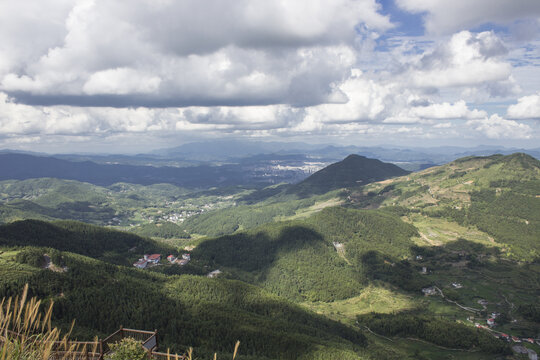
point(127, 349)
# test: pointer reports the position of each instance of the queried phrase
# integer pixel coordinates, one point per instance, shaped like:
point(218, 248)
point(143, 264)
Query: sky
point(133, 76)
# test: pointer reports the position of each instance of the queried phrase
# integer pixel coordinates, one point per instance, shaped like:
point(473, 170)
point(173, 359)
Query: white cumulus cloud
point(496, 127)
point(234, 52)
point(528, 107)
point(466, 60)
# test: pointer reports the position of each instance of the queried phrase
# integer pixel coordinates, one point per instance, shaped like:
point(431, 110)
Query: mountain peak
point(352, 171)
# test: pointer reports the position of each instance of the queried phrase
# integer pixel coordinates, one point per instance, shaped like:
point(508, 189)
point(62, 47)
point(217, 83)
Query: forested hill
point(321, 258)
point(352, 171)
point(500, 195)
point(97, 242)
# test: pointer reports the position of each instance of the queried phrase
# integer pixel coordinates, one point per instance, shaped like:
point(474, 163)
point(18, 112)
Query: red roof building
point(154, 258)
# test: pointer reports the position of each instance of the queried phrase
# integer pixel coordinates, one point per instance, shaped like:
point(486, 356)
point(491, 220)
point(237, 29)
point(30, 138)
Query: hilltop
point(352, 171)
point(93, 241)
point(320, 190)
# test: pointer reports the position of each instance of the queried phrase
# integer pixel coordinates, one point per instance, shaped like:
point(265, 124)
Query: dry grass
point(26, 332)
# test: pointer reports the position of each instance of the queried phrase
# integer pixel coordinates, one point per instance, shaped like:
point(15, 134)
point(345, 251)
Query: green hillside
point(282, 202)
point(211, 314)
point(498, 195)
point(207, 314)
point(241, 217)
point(84, 239)
point(298, 259)
point(166, 230)
point(120, 204)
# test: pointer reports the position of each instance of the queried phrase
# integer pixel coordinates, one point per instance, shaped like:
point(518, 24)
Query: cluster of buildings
point(153, 259)
point(148, 260)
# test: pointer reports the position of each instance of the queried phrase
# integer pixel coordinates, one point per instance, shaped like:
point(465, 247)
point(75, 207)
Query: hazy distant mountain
point(262, 171)
point(221, 152)
point(21, 166)
point(226, 150)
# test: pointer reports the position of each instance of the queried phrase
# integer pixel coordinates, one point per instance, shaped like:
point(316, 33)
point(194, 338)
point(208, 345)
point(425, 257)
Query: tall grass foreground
point(26, 333)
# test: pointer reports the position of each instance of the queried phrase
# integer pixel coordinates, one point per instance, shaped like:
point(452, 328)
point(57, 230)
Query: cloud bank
point(85, 70)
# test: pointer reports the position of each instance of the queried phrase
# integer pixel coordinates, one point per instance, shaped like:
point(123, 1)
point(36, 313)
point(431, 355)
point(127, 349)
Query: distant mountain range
point(222, 163)
point(226, 152)
point(23, 166)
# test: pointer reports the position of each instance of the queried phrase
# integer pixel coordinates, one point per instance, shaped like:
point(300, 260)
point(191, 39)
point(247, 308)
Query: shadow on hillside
point(188, 311)
point(460, 258)
point(255, 252)
point(77, 237)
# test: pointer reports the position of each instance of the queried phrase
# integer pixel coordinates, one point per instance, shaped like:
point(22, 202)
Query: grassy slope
point(243, 217)
point(287, 258)
point(498, 195)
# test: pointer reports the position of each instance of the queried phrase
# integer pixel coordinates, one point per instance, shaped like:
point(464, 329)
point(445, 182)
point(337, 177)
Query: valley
point(359, 260)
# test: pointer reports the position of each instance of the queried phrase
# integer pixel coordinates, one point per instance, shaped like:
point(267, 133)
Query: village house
point(491, 322)
point(186, 257)
point(429, 291)
point(457, 285)
point(153, 258)
point(171, 258)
